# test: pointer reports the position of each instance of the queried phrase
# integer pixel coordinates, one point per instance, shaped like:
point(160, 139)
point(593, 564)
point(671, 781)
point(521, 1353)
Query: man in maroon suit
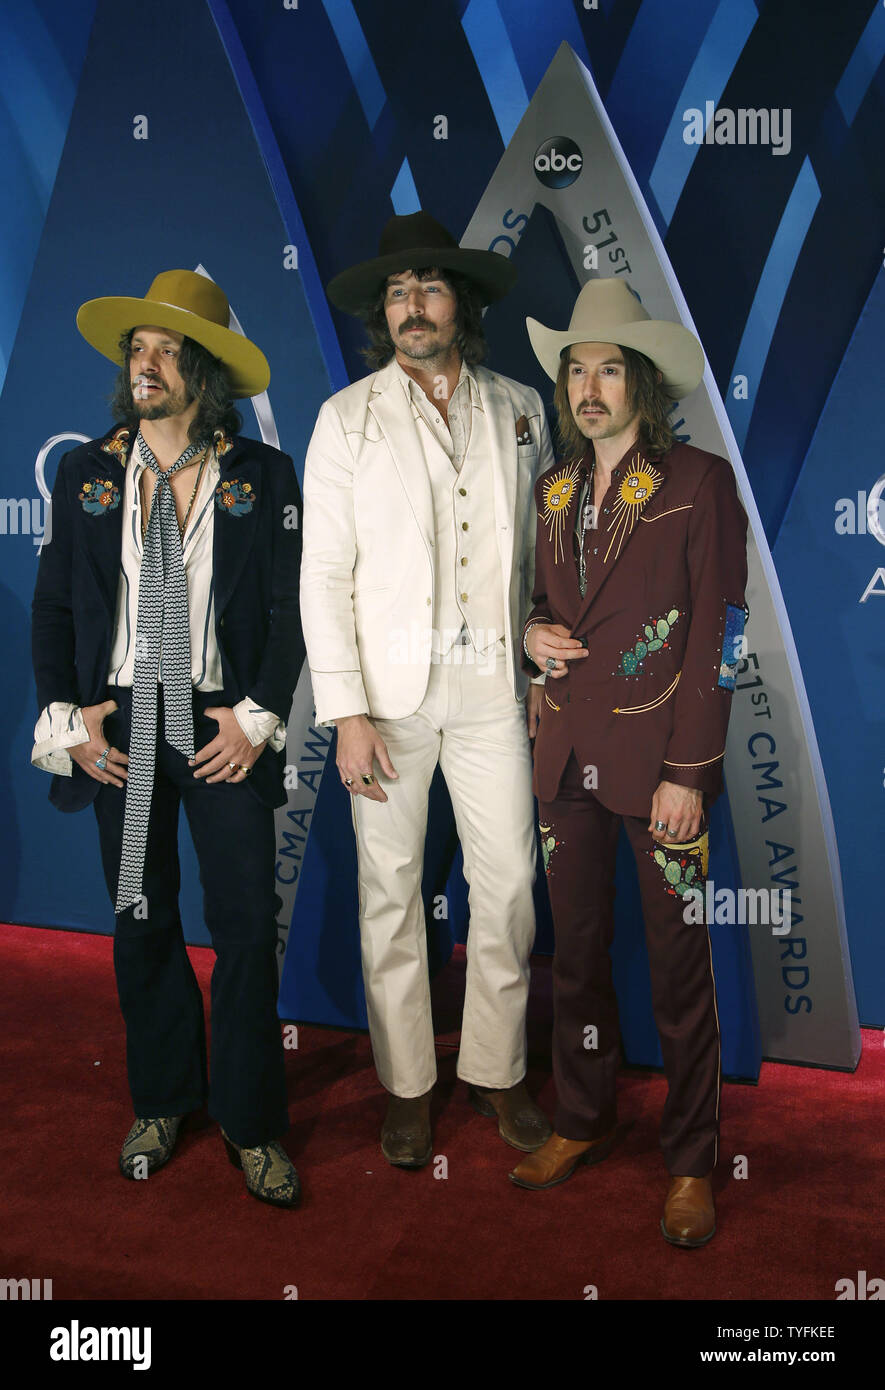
point(637, 624)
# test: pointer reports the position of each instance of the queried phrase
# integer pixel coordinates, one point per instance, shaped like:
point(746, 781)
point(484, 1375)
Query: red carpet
point(810, 1211)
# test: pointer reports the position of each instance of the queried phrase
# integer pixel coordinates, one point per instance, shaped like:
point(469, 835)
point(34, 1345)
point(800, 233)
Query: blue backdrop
point(271, 127)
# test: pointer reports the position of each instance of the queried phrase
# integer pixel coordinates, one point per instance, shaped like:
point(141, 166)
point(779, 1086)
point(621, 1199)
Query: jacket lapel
point(393, 413)
point(104, 538)
point(638, 482)
point(234, 525)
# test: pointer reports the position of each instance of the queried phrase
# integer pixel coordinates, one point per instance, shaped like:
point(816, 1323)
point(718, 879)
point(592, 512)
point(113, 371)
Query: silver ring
point(550, 663)
point(234, 767)
point(102, 762)
point(670, 832)
point(348, 781)
point(659, 825)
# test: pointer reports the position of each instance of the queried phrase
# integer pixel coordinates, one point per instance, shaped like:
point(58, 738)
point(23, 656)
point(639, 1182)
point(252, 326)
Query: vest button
point(463, 559)
point(462, 491)
point(465, 526)
point(428, 603)
point(464, 597)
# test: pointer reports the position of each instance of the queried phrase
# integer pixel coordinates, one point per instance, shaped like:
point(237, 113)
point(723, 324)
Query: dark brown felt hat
point(408, 243)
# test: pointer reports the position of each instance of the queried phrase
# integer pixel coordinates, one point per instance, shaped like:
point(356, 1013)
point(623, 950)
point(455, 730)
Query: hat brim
point(104, 321)
point(354, 290)
point(675, 351)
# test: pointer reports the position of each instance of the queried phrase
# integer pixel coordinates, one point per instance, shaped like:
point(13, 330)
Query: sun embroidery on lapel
point(559, 493)
point(641, 482)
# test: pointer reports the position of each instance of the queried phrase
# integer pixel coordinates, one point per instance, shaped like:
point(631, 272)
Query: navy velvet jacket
point(256, 565)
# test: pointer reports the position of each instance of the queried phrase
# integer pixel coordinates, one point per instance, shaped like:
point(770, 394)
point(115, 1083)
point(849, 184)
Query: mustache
point(593, 405)
point(416, 323)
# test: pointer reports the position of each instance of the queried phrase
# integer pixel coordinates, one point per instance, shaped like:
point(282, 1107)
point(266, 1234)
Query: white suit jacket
point(369, 569)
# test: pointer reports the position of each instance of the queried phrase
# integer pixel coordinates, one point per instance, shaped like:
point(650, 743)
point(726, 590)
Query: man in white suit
point(419, 531)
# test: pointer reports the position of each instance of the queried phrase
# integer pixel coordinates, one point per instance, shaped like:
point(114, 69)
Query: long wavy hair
point(469, 340)
point(645, 394)
point(206, 381)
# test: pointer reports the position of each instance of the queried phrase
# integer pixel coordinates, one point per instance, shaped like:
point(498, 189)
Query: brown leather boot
point(406, 1139)
point(689, 1215)
point(521, 1123)
point(558, 1159)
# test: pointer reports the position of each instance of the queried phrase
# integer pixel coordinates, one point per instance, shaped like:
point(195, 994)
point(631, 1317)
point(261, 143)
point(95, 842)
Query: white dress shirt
point(61, 725)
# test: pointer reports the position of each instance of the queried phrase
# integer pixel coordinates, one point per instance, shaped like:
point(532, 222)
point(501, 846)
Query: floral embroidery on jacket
point(99, 495)
point(235, 498)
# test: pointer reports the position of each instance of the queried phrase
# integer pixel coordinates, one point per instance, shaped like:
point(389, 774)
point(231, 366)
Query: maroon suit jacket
point(663, 618)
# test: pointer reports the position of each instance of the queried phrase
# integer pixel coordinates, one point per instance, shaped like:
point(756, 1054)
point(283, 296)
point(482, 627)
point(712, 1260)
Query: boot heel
point(599, 1151)
point(233, 1152)
point(480, 1104)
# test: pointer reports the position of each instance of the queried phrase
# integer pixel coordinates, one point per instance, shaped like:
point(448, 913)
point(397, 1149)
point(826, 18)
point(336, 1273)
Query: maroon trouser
point(580, 880)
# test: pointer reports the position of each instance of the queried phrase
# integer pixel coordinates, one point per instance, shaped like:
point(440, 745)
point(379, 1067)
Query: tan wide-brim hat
point(187, 303)
point(607, 311)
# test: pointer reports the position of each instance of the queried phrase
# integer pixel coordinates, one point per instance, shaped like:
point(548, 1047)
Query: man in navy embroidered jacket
point(154, 697)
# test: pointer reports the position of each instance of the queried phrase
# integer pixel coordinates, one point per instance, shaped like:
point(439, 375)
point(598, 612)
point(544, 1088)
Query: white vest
point(468, 565)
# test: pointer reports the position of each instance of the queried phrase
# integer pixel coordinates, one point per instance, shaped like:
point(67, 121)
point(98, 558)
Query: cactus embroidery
point(653, 639)
point(684, 866)
point(549, 844)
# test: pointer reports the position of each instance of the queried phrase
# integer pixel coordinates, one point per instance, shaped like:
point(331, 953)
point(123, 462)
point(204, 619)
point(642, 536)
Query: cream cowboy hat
point(188, 303)
point(607, 311)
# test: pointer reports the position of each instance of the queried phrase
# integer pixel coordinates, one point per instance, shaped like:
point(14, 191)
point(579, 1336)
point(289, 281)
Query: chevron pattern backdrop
point(306, 125)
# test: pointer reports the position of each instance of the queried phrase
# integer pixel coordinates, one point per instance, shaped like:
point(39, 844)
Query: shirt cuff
point(260, 725)
point(60, 726)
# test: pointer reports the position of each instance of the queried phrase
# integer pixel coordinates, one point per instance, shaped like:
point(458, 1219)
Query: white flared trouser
point(471, 725)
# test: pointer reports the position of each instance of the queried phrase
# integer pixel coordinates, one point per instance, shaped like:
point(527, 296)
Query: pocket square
point(523, 433)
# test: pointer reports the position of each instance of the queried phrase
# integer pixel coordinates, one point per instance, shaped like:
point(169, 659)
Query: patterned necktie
point(162, 632)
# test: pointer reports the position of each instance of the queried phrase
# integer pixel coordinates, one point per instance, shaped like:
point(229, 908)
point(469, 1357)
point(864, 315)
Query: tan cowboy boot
point(689, 1215)
point(558, 1159)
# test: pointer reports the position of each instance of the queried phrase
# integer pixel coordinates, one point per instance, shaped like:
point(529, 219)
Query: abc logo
point(558, 162)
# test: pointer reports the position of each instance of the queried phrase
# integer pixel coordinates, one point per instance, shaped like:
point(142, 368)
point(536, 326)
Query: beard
point(171, 402)
point(433, 347)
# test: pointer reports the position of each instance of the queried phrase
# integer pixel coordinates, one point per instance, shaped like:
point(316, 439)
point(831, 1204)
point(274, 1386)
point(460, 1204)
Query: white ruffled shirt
point(61, 725)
